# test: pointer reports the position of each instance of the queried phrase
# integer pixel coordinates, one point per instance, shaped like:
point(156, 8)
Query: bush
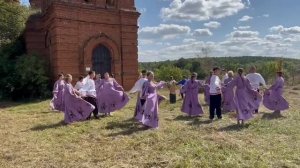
point(164, 73)
point(26, 79)
point(31, 79)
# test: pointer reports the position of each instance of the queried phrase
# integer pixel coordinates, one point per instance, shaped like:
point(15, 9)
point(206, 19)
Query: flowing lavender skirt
point(274, 101)
point(77, 109)
point(111, 100)
point(228, 99)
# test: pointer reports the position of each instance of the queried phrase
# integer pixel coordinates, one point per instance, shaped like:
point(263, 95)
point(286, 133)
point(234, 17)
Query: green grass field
point(33, 136)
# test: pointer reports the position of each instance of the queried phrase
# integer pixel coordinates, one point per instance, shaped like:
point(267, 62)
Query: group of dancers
point(90, 95)
point(238, 93)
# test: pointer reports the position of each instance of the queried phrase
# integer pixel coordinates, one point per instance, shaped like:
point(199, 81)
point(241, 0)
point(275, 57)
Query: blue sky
point(171, 29)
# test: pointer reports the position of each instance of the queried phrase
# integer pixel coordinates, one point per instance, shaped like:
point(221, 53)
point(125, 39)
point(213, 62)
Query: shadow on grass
point(6, 104)
point(235, 127)
point(9, 103)
point(272, 116)
point(128, 127)
point(200, 122)
point(192, 120)
point(185, 118)
point(51, 126)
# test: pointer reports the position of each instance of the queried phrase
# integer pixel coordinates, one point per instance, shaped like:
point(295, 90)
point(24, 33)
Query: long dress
point(228, 96)
point(191, 105)
point(273, 98)
point(150, 109)
point(138, 87)
point(206, 91)
point(243, 99)
point(57, 102)
point(110, 96)
point(76, 109)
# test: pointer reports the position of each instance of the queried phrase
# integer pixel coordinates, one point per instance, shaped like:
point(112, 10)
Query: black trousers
point(93, 101)
point(143, 101)
point(172, 98)
point(215, 106)
point(256, 110)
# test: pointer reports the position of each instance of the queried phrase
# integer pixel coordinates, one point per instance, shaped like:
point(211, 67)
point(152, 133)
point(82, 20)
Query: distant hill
point(267, 66)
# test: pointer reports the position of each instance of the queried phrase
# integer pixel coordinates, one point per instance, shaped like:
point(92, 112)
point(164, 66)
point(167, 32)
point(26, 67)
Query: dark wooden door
point(101, 60)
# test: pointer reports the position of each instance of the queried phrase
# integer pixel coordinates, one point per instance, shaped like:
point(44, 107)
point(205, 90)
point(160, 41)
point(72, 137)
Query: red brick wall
point(65, 34)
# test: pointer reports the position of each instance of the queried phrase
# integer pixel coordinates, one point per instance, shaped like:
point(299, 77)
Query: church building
point(76, 36)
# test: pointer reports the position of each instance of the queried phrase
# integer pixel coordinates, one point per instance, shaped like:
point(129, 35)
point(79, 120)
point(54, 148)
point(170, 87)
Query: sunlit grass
point(33, 136)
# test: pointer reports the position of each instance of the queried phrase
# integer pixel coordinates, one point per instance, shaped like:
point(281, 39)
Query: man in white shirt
point(215, 95)
point(138, 87)
point(256, 80)
point(88, 91)
point(79, 83)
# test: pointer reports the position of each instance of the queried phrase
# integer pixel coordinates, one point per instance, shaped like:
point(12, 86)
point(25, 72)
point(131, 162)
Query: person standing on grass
point(256, 80)
point(206, 88)
point(76, 109)
point(153, 99)
point(57, 103)
point(181, 84)
point(110, 95)
point(79, 83)
point(138, 87)
point(273, 98)
point(172, 89)
point(97, 80)
point(191, 105)
point(215, 95)
point(228, 94)
point(88, 91)
point(225, 75)
point(245, 104)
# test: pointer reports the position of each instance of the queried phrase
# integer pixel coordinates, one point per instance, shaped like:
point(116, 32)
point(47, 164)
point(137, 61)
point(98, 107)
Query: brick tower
point(76, 36)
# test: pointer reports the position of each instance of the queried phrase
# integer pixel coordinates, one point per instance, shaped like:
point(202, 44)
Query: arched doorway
point(101, 60)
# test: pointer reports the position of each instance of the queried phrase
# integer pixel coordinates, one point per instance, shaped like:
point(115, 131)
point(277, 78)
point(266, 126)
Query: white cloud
point(164, 31)
point(212, 25)
point(245, 18)
point(266, 15)
point(199, 10)
point(284, 41)
point(188, 40)
point(241, 28)
point(202, 32)
point(285, 30)
point(142, 10)
point(273, 37)
point(244, 34)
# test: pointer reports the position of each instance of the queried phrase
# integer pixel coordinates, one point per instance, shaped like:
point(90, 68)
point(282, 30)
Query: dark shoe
point(97, 117)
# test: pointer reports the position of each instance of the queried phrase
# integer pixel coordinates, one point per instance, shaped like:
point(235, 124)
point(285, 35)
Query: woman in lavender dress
point(228, 95)
point(206, 89)
point(76, 109)
point(150, 108)
point(110, 95)
point(245, 104)
point(273, 99)
point(191, 105)
point(57, 103)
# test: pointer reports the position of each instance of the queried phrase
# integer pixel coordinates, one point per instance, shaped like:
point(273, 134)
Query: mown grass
point(33, 136)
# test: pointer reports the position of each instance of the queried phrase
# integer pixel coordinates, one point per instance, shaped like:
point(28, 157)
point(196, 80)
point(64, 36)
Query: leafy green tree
point(29, 79)
point(13, 17)
point(165, 72)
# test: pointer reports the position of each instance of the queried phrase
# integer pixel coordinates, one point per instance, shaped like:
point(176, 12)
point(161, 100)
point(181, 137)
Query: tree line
point(267, 66)
point(22, 76)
